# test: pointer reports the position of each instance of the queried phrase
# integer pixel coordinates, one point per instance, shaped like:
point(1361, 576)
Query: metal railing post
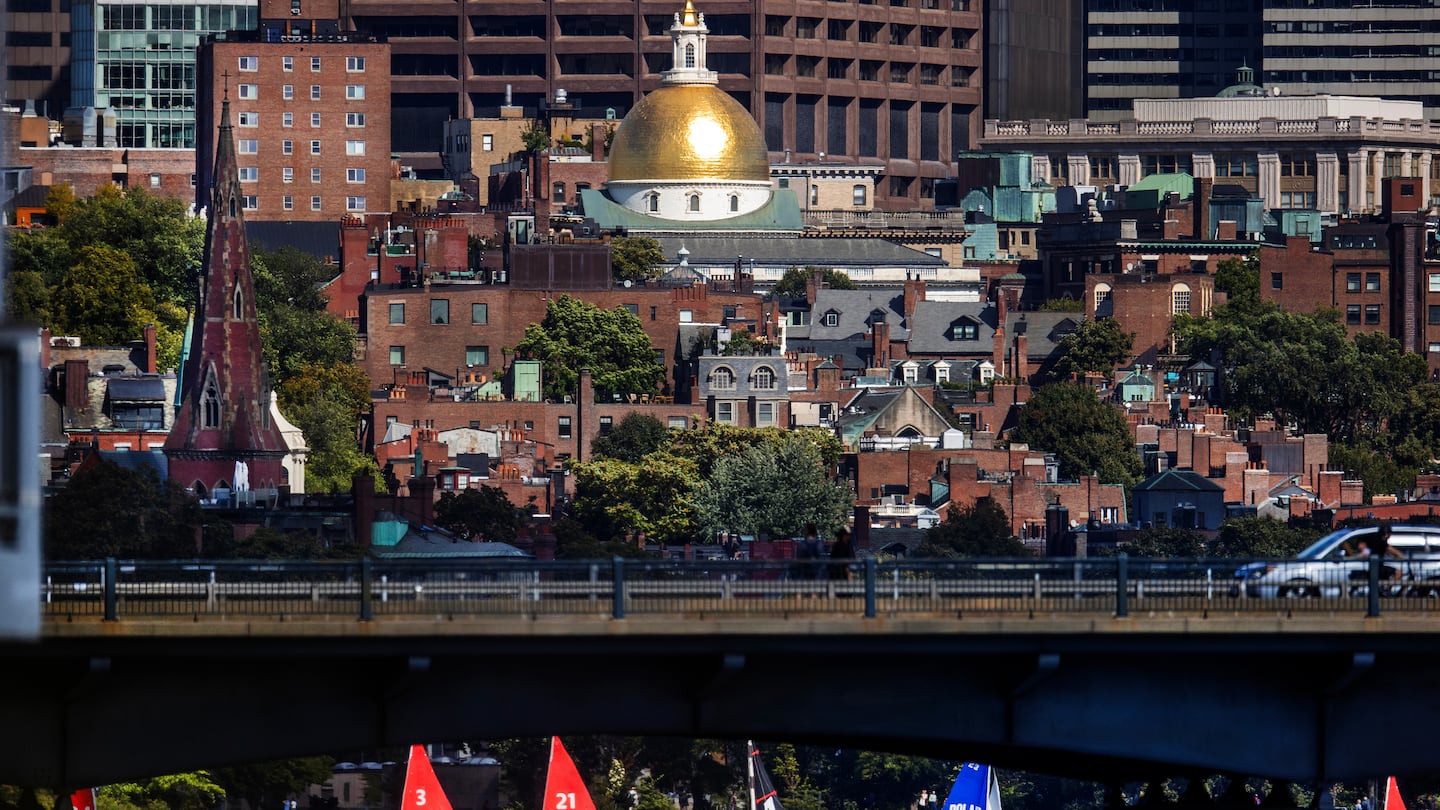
point(617, 590)
point(870, 570)
point(1372, 608)
point(367, 589)
point(112, 599)
point(1122, 585)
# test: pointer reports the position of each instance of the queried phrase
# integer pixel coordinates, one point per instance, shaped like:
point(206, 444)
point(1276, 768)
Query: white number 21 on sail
point(564, 801)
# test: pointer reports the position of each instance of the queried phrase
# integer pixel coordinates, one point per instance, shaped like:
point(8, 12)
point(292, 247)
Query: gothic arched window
point(238, 309)
point(689, 56)
point(210, 405)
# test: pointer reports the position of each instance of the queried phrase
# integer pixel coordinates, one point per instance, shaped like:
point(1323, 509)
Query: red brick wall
point(87, 170)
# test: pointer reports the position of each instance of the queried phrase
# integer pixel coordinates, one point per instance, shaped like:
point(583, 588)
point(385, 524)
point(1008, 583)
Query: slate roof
point(838, 253)
point(931, 327)
point(1178, 481)
point(1043, 330)
point(854, 308)
point(316, 238)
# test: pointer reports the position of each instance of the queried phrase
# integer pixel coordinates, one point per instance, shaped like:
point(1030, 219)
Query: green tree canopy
point(611, 343)
point(637, 435)
point(711, 441)
point(535, 137)
point(111, 511)
point(483, 514)
point(158, 234)
point(981, 530)
point(179, 791)
point(1085, 434)
point(327, 401)
point(743, 343)
point(265, 784)
point(654, 495)
point(1261, 537)
point(1099, 345)
point(102, 299)
point(776, 491)
point(635, 258)
point(289, 277)
point(1304, 369)
point(1239, 279)
point(793, 283)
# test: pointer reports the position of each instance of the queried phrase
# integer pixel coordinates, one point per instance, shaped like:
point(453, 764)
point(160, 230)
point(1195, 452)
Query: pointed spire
point(688, 17)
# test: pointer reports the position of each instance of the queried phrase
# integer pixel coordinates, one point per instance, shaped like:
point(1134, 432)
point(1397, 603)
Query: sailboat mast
point(750, 770)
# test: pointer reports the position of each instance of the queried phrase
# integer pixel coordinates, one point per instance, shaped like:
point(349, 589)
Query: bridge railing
point(370, 589)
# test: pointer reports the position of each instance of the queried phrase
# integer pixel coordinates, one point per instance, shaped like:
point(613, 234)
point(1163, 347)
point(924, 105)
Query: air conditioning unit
point(65, 341)
point(295, 11)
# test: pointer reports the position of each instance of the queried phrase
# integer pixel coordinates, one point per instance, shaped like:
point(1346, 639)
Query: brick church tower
point(224, 414)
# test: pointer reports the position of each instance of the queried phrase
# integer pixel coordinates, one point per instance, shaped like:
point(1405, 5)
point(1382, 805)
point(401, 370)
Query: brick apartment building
point(312, 114)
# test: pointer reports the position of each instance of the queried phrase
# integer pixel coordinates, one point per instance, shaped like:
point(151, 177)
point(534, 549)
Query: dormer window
point(764, 379)
point(876, 316)
point(831, 318)
point(964, 329)
point(722, 379)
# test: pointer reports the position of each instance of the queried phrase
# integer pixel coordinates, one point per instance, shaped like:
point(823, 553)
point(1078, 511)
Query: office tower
point(138, 60)
point(893, 82)
point(36, 54)
point(1034, 60)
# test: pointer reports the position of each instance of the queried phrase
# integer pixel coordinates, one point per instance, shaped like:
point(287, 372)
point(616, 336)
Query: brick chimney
point(152, 364)
point(585, 420)
point(45, 351)
point(597, 142)
point(880, 344)
point(914, 293)
point(77, 384)
point(1200, 201)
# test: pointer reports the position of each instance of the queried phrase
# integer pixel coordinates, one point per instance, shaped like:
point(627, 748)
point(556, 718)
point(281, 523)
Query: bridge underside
point(1111, 706)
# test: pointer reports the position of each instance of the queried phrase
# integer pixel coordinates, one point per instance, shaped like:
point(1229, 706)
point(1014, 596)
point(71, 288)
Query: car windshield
point(1321, 548)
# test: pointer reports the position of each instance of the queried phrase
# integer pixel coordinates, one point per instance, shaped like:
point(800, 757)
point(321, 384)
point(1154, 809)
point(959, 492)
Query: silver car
point(1332, 566)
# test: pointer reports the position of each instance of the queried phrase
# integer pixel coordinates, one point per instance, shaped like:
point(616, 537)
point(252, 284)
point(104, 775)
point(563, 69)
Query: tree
point(980, 530)
point(294, 338)
point(775, 491)
point(102, 299)
point(1085, 434)
point(535, 137)
point(635, 258)
point(654, 495)
point(1239, 279)
point(27, 298)
point(327, 403)
point(1097, 346)
point(637, 435)
point(289, 277)
point(483, 514)
point(1260, 537)
point(743, 343)
point(264, 784)
point(1164, 541)
point(712, 441)
point(611, 343)
point(111, 511)
point(180, 791)
point(794, 283)
point(162, 239)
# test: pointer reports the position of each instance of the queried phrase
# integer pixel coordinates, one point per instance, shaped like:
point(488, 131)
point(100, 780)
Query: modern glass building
point(138, 60)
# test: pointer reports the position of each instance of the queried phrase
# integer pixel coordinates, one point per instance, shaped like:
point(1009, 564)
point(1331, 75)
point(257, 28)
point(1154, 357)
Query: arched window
point(689, 56)
point(1180, 299)
point(238, 310)
point(722, 378)
point(764, 379)
point(198, 487)
point(210, 405)
point(1102, 301)
point(858, 194)
point(734, 202)
point(232, 206)
point(695, 203)
point(652, 202)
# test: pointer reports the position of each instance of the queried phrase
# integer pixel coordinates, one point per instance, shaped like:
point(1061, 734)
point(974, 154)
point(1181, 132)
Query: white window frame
point(314, 147)
point(354, 119)
point(287, 203)
point(287, 119)
point(314, 64)
point(249, 64)
point(314, 92)
point(287, 147)
point(287, 63)
point(354, 64)
point(725, 413)
point(355, 148)
point(249, 174)
point(247, 146)
point(355, 175)
point(248, 119)
point(314, 120)
point(487, 143)
point(764, 414)
point(315, 174)
point(315, 203)
point(354, 203)
point(355, 92)
point(287, 174)
point(249, 202)
point(248, 92)
point(287, 92)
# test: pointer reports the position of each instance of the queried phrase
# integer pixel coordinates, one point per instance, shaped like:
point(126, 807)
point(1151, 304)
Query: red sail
point(564, 789)
point(422, 788)
point(83, 799)
point(1392, 796)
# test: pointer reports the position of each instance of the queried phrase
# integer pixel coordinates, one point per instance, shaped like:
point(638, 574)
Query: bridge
point(1106, 669)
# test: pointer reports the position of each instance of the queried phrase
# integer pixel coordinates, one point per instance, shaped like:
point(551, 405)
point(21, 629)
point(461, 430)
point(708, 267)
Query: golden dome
point(689, 132)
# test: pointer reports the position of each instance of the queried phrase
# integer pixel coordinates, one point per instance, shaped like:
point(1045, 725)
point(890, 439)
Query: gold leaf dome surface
point(689, 132)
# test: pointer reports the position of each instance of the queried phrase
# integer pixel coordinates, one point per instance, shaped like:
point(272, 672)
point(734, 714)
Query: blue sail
point(975, 789)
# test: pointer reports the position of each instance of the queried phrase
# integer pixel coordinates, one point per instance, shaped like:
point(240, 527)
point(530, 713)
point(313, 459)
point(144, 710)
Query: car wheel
point(1299, 589)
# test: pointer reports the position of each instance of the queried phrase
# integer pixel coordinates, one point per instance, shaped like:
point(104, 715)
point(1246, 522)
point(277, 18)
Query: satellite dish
point(628, 282)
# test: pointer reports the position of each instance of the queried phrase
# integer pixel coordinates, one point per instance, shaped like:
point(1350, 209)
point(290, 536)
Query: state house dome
point(689, 132)
point(688, 152)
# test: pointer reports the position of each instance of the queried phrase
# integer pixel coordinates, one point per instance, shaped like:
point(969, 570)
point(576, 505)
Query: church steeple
point(687, 36)
point(224, 414)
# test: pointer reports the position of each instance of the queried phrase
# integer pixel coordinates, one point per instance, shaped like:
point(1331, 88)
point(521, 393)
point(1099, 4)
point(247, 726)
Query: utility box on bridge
point(19, 484)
